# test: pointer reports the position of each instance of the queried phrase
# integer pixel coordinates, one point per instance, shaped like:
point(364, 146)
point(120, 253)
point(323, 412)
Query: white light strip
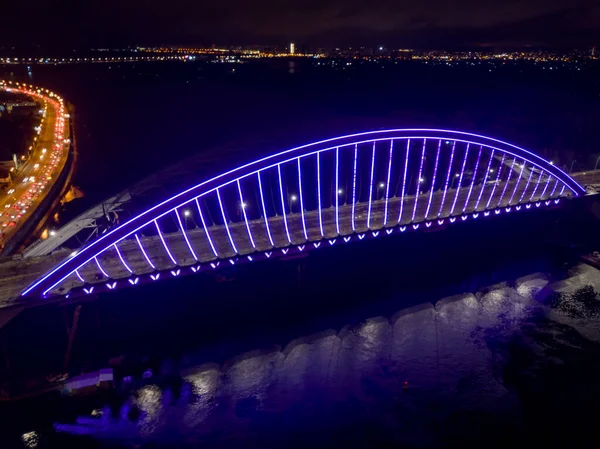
point(183, 231)
point(414, 214)
point(387, 186)
point(264, 208)
point(371, 187)
point(404, 182)
point(301, 200)
point(144, 252)
point(354, 189)
point(337, 191)
point(100, 267)
point(212, 246)
point(319, 194)
point(243, 206)
point(287, 231)
point(162, 239)
point(225, 222)
point(122, 260)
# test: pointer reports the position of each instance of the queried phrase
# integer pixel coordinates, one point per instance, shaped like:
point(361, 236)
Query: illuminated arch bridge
point(326, 193)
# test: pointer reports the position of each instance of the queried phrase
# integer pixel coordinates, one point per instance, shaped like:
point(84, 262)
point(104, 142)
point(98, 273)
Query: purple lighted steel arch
point(52, 279)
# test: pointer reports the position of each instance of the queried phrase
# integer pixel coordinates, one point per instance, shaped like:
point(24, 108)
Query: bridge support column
point(301, 272)
point(71, 332)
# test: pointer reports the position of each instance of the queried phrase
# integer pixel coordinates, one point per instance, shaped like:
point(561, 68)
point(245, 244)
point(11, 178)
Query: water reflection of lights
point(202, 383)
point(148, 400)
point(30, 439)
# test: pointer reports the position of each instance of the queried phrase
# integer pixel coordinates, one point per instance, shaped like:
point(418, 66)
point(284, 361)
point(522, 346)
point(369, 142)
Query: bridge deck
point(130, 251)
point(18, 274)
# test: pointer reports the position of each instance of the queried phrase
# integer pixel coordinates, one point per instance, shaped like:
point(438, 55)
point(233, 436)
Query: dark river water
point(479, 337)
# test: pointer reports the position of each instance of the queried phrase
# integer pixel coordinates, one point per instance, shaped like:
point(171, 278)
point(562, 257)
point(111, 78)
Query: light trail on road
point(32, 183)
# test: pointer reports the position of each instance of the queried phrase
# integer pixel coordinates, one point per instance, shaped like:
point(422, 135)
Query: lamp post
point(572, 164)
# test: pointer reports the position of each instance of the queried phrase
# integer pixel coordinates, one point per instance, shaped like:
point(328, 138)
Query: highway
point(31, 184)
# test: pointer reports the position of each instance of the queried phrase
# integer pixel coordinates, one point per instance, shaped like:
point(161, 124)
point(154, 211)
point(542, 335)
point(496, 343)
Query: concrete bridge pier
point(301, 268)
point(71, 333)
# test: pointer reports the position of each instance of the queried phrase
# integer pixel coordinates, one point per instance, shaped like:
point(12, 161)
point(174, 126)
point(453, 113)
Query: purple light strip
point(419, 181)
point(319, 194)
point(162, 239)
point(432, 188)
point(554, 189)
point(262, 200)
point(287, 231)
point(497, 181)
point(510, 172)
point(526, 185)
point(100, 267)
point(257, 162)
point(404, 182)
point(473, 180)
point(487, 172)
point(371, 188)
point(562, 190)
point(414, 137)
point(122, 260)
point(225, 222)
point(212, 246)
point(187, 241)
point(354, 188)
point(447, 179)
point(460, 180)
point(387, 185)
point(79, 276)
point(546, 186)
point(144, 252)
point(243, 206)
point(301, 201)
point(537, 184)
point(337, 191)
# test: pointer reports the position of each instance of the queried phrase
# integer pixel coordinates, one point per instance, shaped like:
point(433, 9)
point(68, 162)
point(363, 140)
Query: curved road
point(32, 183)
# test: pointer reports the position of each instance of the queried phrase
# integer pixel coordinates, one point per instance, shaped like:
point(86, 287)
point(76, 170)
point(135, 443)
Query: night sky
point(393, 23)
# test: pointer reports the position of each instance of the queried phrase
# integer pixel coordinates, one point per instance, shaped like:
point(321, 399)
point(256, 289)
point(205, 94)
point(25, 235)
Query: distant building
point(292, 49)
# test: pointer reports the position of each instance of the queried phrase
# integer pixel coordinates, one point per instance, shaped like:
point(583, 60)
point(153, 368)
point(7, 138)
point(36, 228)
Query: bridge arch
point(337, 189)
